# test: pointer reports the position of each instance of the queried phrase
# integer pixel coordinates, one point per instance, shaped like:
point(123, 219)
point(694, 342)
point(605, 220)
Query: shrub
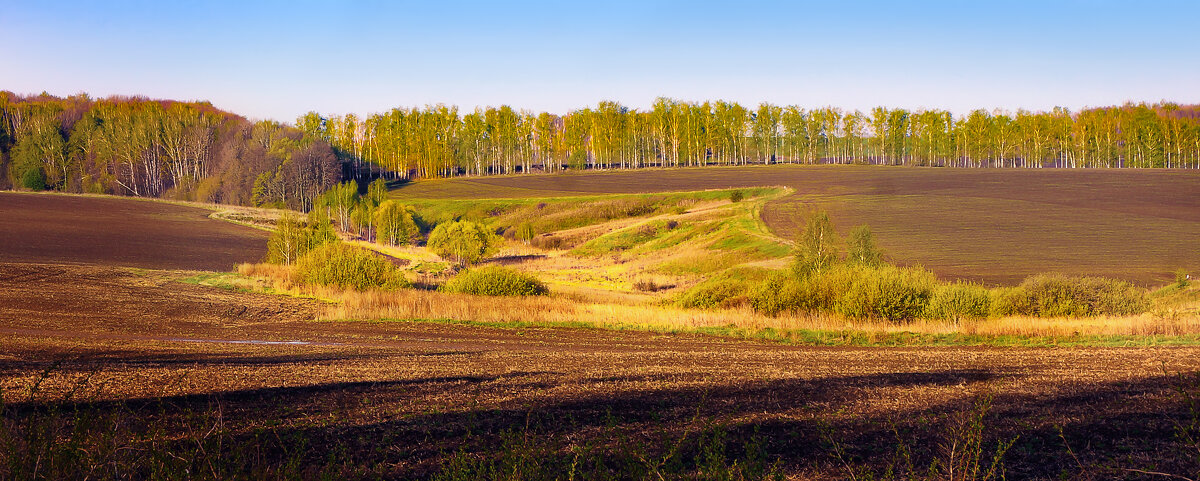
point(548, 241)
point(958, 301)
point(649, 285)
point(1057, 295)
point(1011, 301)
point(858, 292)
point(33, 179)
point(496, 281)
point(463, 242)
point(395, 224)
point(785, 293)
point(736, 196)
point(336, 264)
point(715, 294)
point(1182, 278)
point(888, 292)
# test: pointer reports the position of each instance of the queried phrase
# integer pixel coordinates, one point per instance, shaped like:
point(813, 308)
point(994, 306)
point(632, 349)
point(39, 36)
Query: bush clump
point(1064, 296)
point(959, 301)
point(496, 281)
point(857, 292)
point(887, 292)
point(395, 224)
point(463, 242)
point(335, 264)
point(718, 293)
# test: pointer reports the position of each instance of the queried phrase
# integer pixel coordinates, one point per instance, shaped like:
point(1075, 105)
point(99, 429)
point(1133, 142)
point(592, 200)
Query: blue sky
point(280, 59)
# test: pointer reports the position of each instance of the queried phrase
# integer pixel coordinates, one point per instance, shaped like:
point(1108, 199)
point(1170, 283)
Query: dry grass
point(415, 304)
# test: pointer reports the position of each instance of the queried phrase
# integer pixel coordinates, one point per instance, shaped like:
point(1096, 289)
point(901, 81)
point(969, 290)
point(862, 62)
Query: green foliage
point(1056, 295)
point(861, 247)
point(39, 158)
point(721, 293)
point(1011, 301)
point(1182, 278)
point(463, 242)
point(525, 232)
point(858, 292)
point(33, 179)
point(362, 219)
point(339, 203)
point(292, 239)
point(887, 292)
point(737, 196)
point(959, 301)
point(335, 264)
point(817, 246)
point(394, 224)
point(496, 281)
point(377, 193)
point(730, 289)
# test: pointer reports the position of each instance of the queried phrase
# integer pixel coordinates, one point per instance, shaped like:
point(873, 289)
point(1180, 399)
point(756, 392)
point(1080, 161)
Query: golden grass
point(415, 304)
point(590, 309)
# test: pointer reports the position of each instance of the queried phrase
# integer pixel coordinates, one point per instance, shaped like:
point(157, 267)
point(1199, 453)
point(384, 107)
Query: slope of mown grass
point(550, 214)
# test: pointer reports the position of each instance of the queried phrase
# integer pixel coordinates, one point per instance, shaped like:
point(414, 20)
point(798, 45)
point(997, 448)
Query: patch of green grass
point(225, 280)
point(549, 214)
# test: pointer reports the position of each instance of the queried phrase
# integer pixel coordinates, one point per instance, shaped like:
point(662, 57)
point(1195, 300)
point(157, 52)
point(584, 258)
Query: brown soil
point(121, 232)
point(398, 397)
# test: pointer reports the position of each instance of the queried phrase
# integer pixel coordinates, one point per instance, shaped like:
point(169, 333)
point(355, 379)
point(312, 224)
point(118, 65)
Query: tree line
point(439, 141)
point(159, 148)
point(193, 151)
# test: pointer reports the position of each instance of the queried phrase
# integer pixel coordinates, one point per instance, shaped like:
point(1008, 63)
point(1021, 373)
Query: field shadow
point(511, 260)
point(797, 422)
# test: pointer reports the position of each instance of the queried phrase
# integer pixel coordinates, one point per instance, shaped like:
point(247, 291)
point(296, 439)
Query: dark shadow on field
point(1107, 425)
point(101, 360)
point(510, 260)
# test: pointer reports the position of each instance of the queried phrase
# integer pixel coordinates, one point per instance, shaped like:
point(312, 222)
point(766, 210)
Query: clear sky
point(280, 59)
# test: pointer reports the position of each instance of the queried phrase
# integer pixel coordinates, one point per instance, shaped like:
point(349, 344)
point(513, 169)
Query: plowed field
point(112, 372)
point(992, 225)
point(121, 232)
point(397, 398)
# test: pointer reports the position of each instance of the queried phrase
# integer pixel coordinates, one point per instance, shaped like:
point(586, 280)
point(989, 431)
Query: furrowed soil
point(997, 226)
point(111, 371)
point(399, 399)
point(121, 232)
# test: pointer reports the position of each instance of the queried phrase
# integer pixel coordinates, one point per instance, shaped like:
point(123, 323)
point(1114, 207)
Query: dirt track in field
point(143, 335)
point(121, 232)
point(991, 225)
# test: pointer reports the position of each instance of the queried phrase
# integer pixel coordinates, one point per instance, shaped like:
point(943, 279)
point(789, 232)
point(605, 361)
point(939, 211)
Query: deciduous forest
point(439, 141)
point(159, 148)
point(192, 150)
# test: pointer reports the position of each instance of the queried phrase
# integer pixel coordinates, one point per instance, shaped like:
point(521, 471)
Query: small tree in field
point(377, 193)
point(817, 246)
point(463, 242)
point(525, 233)
point(394, 224)
point(292, 239)
point(339, 202)
point(861, 247)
